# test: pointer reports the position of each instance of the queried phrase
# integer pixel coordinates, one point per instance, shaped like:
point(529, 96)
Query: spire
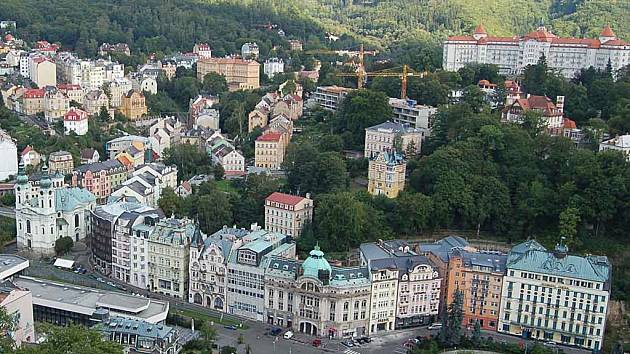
point(45, 181)
point(22, 178)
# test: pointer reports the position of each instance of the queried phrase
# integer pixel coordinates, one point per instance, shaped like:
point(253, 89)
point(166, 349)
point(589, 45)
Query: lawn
point(197, 315)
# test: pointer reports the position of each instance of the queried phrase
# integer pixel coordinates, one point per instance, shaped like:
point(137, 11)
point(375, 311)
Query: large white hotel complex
point(513, 54)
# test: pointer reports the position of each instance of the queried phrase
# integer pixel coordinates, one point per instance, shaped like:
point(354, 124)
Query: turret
point(22, 187)
point(480, 32)
point(46, 192)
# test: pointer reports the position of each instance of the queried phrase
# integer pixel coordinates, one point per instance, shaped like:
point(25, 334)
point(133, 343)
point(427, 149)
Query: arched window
point(76, 220)
point(28, 226)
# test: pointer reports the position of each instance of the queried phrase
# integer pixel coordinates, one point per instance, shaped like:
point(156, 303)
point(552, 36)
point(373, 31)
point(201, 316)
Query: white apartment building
point(273, 66)
point(620, 143)
point(202, 50)
point(8, 151)
point(513, 54)
point(75, 120)
point(388, 136)
point(384, 297)
point(551, 295)
point(409, 112)
point(287, 214)
point(89, 74)
point(130, 246)
point(250, 51)
point(246, 272)
point(17, 301)
point(329, 97)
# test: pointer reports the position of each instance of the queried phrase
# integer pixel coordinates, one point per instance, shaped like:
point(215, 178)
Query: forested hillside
point(162, 25)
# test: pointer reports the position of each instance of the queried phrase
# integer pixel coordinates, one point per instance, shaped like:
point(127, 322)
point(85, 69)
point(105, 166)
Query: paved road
point(7, 212)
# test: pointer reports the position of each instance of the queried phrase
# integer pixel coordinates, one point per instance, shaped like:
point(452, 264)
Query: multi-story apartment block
point(169, 247)
point(75, 120)
point(551, 113)
point(89, 74)
point(54, 213)
point(512, 54)
point(143, 83)
point(17, 301)
point(407, 111)
point(147, 183)
point(101, 178)
point(316, 298)
point(104, 218)
point(384, 297)
point(32, 101)
point(208, 266)
point(130, 250)
point(246, 271)
point(390, 136)
point(42, 71)
point(287, 214)
point(125, 144)
point(478, 276)
point(620, 143)
point(8, 151)
point(73, 92)
point(94, 100)
point(240, 74)
point(60, 162)
point(330, 97)
point(554, 296)
point(225, 154)
point(133, 105)
point(269, 150)
point(117, 89)
point(386, 174)
point(419, 282)
point(273, 66)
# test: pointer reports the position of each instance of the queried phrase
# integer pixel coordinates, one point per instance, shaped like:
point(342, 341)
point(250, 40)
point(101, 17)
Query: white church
point(47, 211)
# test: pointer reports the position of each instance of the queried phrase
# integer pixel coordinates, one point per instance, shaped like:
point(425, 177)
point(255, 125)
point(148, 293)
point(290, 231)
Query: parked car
point(435, 326)
point(100, 279)
point(348, 343)
point(550, 344)
point(232, 327)
point(288, 335)
point(275, 331)
point(364, 339)
point(317, 342)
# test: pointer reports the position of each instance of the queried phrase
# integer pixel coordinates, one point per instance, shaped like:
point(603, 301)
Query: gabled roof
point(480, 29)
point(87, 153)
point(270, 136)
point(607, 32)
point(284, 198)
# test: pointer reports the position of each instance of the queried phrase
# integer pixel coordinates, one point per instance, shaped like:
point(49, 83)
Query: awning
point(64, 263)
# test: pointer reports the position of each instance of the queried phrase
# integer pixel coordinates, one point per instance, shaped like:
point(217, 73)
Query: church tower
point(22, 187)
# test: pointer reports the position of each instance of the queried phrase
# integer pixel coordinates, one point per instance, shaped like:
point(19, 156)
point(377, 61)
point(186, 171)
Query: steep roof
point(607, 32)
point(284, 198)
point(480, 29)
point(270, 136)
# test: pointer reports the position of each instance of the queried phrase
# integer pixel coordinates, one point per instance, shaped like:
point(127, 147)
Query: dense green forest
point(162, 26)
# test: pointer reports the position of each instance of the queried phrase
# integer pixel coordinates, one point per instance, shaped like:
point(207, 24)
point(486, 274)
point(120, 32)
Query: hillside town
point(194, 202)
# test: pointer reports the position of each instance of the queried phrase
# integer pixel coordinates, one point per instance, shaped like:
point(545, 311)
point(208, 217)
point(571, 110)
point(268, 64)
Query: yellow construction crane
point(362, 75)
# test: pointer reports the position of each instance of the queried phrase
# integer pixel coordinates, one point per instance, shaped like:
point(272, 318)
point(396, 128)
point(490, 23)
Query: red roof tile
point(283, 198)
point(34, 93)
point(480, 29)
point(26, 150)
point(270, 136)
point(607, 32)
point(568, 123)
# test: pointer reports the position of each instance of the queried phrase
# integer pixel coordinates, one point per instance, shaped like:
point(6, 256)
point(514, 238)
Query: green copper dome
point(45, 181)
point(314, 263)
point(22, 178)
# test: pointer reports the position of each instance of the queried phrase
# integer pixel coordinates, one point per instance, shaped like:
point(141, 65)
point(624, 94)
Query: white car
point(288, 335)
point(435, 326)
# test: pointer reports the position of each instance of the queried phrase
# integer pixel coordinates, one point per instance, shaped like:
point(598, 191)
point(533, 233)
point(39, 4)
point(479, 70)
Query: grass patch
point(225, 186)
point(210, 318)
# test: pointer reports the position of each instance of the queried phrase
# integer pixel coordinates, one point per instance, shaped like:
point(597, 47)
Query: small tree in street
point(63, 245)
point(476, 336)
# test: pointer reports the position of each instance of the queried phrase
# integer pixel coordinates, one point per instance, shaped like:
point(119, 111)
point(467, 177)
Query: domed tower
point(607, 34)
point(46, 192)
point(480, 32)
point(316, 266)
point(22, 187)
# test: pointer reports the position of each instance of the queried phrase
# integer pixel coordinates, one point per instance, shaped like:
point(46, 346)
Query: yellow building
point(386, 174)
point(133, 105)
point(269, 150)
point(240, 74)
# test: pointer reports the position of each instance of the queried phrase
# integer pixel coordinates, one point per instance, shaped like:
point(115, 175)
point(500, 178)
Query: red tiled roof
point(26, 150)
point(270, 136)
point(228, 61)
point(40, 60)
point(34, 93)
point(616, 42)
point(461, 38)
point(607, 32)
point(283, 198)
point(541, 34)
point(480, 29)
point(568, 123)
point(186, 186)
point(75, 114)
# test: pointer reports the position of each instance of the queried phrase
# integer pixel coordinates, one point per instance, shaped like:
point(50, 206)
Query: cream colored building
point(389, 136)
point(60, 161)
point(384, 298)
point(94, 100)
point(386, 174)
point(330, 97)
point(240, 74)
point(287, 214)
point(257, 119)
point(117, 89)
point(43, 71)
point(269, 150)
point(316, 298)
point(56, 104)
point(169, 249)
point(551, 295)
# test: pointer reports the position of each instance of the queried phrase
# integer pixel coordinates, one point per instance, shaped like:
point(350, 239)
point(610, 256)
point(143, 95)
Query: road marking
point(350, 351)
